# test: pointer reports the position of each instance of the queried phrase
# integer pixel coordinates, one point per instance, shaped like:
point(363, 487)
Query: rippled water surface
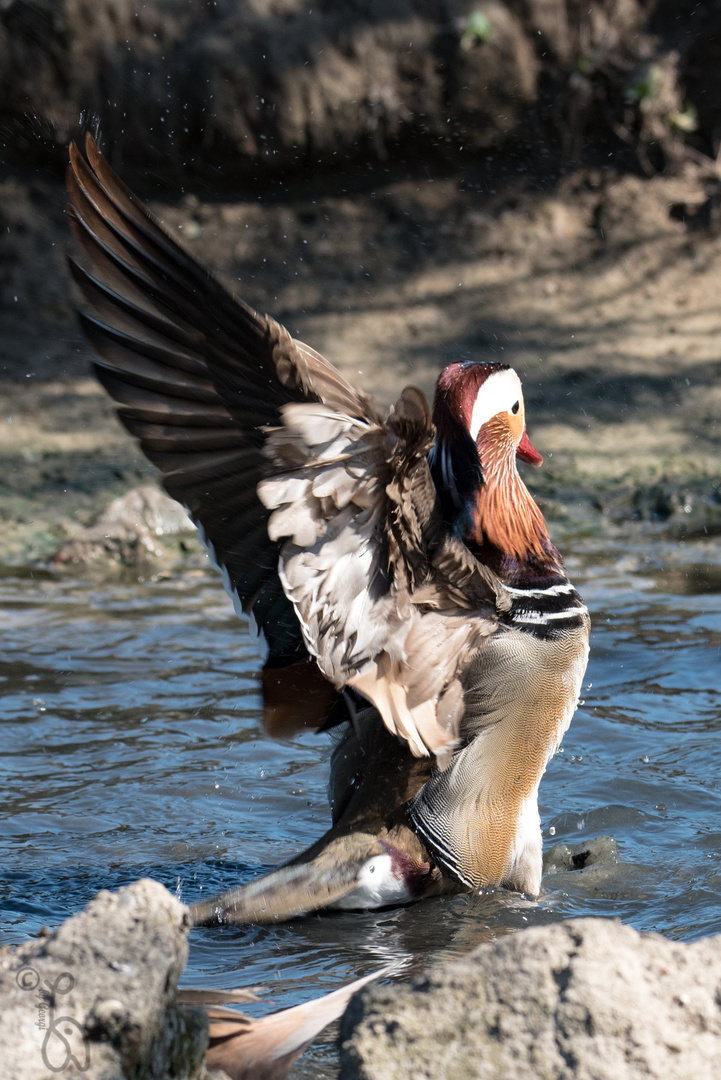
point(131, 747)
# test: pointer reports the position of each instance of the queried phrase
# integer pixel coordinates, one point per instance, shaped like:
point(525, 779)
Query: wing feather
point(322, 516)
point(370, 570)
point(197, 377)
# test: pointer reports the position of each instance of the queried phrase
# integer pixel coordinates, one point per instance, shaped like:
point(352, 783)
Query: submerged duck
point(397, 567)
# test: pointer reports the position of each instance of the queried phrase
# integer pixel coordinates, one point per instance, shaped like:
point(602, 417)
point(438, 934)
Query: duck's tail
point(247, 1048)
point(329, 872)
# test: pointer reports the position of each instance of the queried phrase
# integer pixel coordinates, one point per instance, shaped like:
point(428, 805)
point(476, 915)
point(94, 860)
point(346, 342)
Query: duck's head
point(480, 421)
point(486, 401)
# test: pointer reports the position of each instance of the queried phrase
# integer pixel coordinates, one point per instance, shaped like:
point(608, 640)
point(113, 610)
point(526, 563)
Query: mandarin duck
point(397, 568)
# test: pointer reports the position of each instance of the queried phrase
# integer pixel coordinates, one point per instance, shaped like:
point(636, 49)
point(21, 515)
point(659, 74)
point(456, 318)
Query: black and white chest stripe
point(546, 611)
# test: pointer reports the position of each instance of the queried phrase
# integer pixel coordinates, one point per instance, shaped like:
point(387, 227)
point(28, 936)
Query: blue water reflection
point(131, 747)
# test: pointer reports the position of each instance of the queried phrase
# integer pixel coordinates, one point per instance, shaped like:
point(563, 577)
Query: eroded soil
point(603, 294)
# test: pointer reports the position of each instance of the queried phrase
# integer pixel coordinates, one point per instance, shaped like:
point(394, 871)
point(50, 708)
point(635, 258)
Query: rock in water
point(130, 531)
point(96, 998)
point(589, 998)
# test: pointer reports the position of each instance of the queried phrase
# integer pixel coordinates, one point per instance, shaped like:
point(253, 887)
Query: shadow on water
point(131, 747)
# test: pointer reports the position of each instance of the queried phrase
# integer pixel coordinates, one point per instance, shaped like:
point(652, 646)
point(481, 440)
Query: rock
point(129, 530)
point(685, 508)
point(96, 997)
point(589, 998)
point(602, 851)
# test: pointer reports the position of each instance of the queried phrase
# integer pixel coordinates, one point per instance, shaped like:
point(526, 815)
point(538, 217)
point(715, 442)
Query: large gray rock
point(130, 531)
point(588, 999)
point(95, 998)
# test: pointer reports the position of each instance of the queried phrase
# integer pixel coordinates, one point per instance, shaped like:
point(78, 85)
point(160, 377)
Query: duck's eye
point(516, 407)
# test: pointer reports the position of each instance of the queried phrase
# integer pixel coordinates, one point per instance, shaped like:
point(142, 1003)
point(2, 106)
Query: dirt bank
point(268, 86)
point(603, 293)
point(403, 184)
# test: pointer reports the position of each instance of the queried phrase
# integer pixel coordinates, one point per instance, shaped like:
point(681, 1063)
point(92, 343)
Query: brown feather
point(184, 360)
point(265, 1049)
point(295, 697)
point(506, 514)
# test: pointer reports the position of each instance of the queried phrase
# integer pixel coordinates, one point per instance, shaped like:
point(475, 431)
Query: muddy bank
point(259, 89)
point(404, 185)
point(603, 293)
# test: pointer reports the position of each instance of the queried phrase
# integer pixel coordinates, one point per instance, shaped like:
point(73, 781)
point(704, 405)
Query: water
point(131, 747)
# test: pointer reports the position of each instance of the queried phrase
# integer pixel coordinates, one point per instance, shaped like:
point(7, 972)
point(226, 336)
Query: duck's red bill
point(526, 452)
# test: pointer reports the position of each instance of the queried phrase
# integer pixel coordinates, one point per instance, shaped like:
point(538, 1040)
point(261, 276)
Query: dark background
point(403, 183)
point(265, 89)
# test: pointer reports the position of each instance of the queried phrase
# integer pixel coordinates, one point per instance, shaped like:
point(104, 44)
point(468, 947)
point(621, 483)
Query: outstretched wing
point(197, 375)
point(321, 516)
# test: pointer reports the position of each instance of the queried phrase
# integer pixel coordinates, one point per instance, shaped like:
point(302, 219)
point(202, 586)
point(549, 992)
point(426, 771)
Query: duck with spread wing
point(397, 567)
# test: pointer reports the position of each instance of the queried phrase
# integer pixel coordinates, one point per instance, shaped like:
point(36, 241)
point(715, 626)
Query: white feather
point(499, 393)
point(378, 886)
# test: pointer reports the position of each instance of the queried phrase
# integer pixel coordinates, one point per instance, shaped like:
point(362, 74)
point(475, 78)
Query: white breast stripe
point(539, 594)
point(538, 617)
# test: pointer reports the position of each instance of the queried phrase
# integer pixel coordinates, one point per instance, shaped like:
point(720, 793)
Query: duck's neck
point(507, 529)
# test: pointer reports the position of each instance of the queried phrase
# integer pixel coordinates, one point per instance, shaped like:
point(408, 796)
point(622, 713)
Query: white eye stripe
point(499, 393)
